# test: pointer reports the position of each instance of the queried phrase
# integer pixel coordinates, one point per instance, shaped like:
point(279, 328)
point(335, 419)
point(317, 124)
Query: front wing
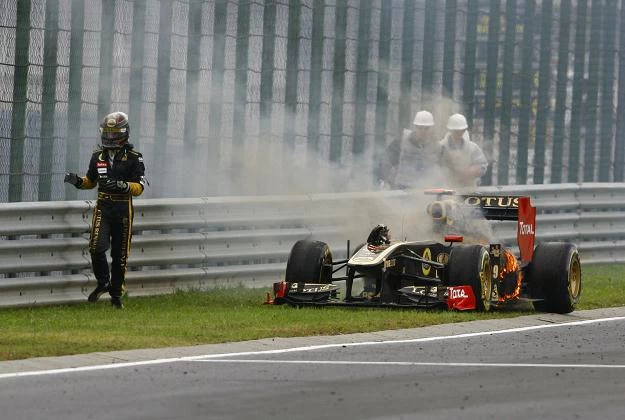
point(311, 294)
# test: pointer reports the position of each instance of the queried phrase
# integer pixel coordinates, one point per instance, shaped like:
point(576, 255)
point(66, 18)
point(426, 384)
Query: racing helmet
point(457, 122)
point(424, 119)
point(379, 235)
point(114, 130)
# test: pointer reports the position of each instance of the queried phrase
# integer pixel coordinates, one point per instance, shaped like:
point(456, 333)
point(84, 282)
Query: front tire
point(470, 265)
point(555, 276)
point(309, 262)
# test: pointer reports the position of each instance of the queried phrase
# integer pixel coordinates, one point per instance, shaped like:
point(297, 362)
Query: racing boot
point(100, 289)
point(117, 302)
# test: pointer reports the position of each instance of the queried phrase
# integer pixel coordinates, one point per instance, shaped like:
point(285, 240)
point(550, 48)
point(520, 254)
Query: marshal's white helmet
point(457, 122)
point(424, 118)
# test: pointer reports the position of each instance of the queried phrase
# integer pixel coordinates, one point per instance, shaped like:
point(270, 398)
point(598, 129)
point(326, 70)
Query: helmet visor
point(113, 136)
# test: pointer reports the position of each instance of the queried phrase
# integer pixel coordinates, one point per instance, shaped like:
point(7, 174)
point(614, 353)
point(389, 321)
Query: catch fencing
point(216, 89)
point(207, 242)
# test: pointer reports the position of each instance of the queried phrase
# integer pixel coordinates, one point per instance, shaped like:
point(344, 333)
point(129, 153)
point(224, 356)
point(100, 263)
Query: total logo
point(526, 229)
point(458, 293)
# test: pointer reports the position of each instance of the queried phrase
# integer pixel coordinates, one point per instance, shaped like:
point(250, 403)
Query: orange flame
point(511, 265)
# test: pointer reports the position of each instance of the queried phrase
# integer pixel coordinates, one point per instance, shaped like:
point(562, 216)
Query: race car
point(463, 271)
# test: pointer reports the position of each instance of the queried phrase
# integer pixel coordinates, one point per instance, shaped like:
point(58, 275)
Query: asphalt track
point(537, 366)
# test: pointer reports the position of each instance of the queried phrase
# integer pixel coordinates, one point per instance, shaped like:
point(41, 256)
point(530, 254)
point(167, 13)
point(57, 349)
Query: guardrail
point(224, 241)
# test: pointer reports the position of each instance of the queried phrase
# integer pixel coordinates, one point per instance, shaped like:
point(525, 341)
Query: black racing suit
point(112, 217)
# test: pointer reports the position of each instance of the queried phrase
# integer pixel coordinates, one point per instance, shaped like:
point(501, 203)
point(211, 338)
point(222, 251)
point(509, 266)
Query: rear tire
point(470, 265)
point(555, 276)
point(309, 262)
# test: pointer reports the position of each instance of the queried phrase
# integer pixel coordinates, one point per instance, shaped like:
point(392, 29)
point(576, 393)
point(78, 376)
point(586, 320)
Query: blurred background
point(257, 97)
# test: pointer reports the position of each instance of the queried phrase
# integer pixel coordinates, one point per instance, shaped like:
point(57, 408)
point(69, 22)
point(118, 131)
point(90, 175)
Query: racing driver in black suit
point(118, 172)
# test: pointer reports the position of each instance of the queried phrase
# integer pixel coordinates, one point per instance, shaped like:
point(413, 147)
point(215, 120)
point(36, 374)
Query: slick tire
point(555, 276)
point(309, 262)
point(470, 265)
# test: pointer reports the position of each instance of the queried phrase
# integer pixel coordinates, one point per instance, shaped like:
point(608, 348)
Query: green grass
point(226, 315)
point(603, 286)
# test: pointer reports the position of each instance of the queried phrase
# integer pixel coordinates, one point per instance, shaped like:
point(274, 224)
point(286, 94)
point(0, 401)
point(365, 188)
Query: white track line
point(305, 348)
point(443, 364)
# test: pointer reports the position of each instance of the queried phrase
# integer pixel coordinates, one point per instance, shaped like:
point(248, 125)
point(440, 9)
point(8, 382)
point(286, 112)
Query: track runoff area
point(267, 356)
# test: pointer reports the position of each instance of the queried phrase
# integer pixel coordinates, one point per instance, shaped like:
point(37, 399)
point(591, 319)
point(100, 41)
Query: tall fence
point(227, 96)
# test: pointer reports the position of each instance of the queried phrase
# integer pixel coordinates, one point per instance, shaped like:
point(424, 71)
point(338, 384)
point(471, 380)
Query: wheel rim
point(485, 281)
point(575, 277)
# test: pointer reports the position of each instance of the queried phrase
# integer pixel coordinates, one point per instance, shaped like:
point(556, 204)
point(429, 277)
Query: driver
point(118, 172)
point(379, 238)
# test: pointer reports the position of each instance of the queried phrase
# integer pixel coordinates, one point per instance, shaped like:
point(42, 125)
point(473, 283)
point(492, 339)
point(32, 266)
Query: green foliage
point(227, 315)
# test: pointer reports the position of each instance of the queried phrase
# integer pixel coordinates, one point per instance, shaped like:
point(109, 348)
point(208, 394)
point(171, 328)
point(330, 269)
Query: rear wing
point(505, 207)
point(500, 207)
point(508, 207)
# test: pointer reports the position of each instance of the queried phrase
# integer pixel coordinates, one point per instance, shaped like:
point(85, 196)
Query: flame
point(510, 265)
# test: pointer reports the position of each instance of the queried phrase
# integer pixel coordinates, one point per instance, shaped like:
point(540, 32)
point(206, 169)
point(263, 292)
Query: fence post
point(136, 70)
point(220, 17)
point(561, 85)
point(74, 106)
point(20, 89)
point(362, 77)
point(607, 91)
point(48, 104)
point(240, 80)
point(505, 123)
point(107, 39)
point(427, 76)
point(384, 46)
point(468, 88)
point(316, 69)
point(592, 92)
point(192, 76)
point(449, 51)
point(407, 48)
point(544, 82)
point(338, 82)
point(490, 98)
point(578, 91)
point(292, 69)
point(619, 153)
point(527, 73)
point(161, 111)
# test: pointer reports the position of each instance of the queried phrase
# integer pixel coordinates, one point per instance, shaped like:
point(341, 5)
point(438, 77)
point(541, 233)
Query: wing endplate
point(526, 230)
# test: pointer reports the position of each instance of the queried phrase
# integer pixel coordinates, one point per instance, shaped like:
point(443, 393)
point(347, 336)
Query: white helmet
point(457, 122)
point(424, 118)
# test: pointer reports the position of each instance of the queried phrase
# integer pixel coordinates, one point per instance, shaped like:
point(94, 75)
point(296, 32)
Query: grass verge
point(226, 315)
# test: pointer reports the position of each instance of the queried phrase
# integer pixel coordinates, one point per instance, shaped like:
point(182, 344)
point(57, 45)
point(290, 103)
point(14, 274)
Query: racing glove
point(112, 186)
point(72, 178)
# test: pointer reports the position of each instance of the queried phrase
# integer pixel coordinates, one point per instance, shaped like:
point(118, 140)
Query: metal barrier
point(202, 243)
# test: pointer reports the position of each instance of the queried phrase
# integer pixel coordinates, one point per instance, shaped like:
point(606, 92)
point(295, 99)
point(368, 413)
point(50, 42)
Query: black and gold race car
point(463, 271)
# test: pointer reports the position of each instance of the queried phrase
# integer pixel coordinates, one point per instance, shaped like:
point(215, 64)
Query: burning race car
point(464, 271)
